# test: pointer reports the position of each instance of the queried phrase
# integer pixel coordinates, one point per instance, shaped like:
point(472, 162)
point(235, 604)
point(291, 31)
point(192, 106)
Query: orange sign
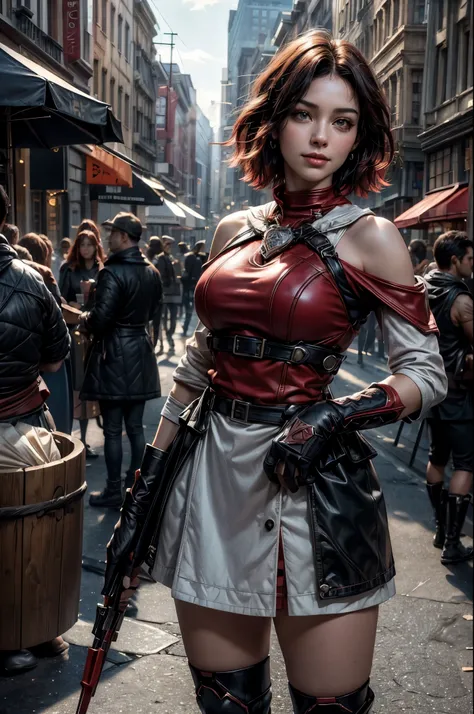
point(107, 170)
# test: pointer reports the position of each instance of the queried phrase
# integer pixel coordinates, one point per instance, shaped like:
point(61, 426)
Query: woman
point(78, 274)
point(277, 513)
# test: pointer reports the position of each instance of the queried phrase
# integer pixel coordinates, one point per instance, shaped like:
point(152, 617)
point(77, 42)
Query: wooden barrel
point(41, 547)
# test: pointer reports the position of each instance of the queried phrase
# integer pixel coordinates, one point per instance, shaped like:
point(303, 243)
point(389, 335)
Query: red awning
point(442, 205)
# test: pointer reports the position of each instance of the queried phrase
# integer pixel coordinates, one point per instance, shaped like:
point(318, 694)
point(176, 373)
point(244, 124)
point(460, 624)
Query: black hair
point(4, 204)
point(449, 244)
point(419, 248)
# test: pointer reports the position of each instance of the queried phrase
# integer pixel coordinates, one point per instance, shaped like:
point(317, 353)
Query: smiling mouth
point(315, 161)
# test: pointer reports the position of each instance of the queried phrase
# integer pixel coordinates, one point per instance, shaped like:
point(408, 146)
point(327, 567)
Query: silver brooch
point(275, 240)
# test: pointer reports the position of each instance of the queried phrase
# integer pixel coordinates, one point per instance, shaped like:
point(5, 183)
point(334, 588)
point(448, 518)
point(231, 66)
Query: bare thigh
point(328, 655)
point(221, 641)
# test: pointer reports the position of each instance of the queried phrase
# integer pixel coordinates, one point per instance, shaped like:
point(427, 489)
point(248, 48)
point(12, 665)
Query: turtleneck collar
point(297, 207)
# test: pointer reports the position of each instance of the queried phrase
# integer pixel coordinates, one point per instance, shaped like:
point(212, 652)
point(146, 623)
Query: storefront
point(41, 115)
point(440, 211)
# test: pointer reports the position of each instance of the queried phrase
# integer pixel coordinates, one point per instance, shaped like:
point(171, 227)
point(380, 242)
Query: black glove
point(120, 548)
point(305, 437)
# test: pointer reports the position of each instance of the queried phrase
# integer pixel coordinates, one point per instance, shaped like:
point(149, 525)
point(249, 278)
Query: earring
point(273, 145)
point(351, 156)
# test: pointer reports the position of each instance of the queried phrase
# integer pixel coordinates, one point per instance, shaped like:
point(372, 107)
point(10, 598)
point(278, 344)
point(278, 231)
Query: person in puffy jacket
point(33, 337)
point(121, 370)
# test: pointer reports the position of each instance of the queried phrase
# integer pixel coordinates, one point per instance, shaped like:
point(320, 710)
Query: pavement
point(424, 634)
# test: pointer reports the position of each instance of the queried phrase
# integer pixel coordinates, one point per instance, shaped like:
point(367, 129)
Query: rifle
point(109, 616)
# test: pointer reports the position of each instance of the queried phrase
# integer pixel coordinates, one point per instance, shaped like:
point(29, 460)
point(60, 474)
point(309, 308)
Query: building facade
point(204, 138)
point(447, 109)
point(57, 35)
point(392, 36)
point(144, 104)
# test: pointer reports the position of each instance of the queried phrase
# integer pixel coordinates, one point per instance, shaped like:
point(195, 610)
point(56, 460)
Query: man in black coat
point(121, 370)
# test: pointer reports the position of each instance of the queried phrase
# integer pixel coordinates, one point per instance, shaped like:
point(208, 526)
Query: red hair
point(280, 87)
point(74, 258)
point(89, 225)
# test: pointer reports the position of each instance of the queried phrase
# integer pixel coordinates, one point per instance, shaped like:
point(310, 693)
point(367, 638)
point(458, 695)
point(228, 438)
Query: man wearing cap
point(193, 262)
point(121, 370)
point(169, 270)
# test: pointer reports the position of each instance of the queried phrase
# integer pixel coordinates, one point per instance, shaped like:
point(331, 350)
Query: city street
point(424, 637)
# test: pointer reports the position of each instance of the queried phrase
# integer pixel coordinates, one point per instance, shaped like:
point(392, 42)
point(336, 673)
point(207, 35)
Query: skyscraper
point(252, 20)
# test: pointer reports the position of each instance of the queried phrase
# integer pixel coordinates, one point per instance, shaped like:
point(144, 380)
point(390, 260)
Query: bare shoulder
point(382, 250)
point(462, 308)
point(227, 229)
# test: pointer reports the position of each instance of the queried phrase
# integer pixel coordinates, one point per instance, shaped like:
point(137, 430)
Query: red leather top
point(290, 298)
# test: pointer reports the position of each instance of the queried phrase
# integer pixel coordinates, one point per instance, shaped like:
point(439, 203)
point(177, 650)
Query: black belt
point(248, 413)
point(260, 348)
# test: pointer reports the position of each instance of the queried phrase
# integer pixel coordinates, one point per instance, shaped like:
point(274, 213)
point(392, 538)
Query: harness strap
point(260, 348)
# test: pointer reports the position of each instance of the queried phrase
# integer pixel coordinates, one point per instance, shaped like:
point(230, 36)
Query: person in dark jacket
point(451, 422)
point(34, 337)
point(169, 269)
point(121, 370)
point(155, 247)
point(193, 262)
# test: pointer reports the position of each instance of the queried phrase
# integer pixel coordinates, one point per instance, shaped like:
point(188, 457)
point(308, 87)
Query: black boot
point(439, 499)
point(110, 497)
point(358, 702)
point(454, 551)
point(16, 662)
point(242, 691)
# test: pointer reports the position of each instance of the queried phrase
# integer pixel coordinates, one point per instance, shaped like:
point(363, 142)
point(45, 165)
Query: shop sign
point(72, 30)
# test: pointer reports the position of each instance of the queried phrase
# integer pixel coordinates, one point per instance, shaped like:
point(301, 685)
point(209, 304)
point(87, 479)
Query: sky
point(201, 45)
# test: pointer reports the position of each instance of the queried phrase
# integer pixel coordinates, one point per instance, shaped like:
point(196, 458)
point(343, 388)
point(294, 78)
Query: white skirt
point(219, 541)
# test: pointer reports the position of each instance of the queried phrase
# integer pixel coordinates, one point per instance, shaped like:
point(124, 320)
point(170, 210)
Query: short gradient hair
point(280, 87)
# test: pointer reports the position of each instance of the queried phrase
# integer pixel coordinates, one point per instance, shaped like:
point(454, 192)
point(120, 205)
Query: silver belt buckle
point(261, 349)
point(238, 404)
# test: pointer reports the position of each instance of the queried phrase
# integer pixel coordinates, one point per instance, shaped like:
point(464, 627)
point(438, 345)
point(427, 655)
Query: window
point(95, 6)
point(105, 7)
point(441, 65)
point(161, 112)
point(126, 119)
point(120, 33)
point(112, 91)
point(441, 168)
point(463, 33)
point(96, 78)
point(396, 14)
point(419, 12)
point(112, 24)
point(127, 42)
point(416, 87)
point(353, 10)
point(104, 86)
point(393, 97)
point(441, 13)
point(119, 103)
point(467, 153)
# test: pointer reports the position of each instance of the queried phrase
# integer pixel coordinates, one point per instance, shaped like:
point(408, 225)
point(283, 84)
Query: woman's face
point(319, 134)
point(87, 249)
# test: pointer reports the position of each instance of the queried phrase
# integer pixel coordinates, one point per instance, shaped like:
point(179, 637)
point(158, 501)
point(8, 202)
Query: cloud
point(201, 4)
point(199, 56)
